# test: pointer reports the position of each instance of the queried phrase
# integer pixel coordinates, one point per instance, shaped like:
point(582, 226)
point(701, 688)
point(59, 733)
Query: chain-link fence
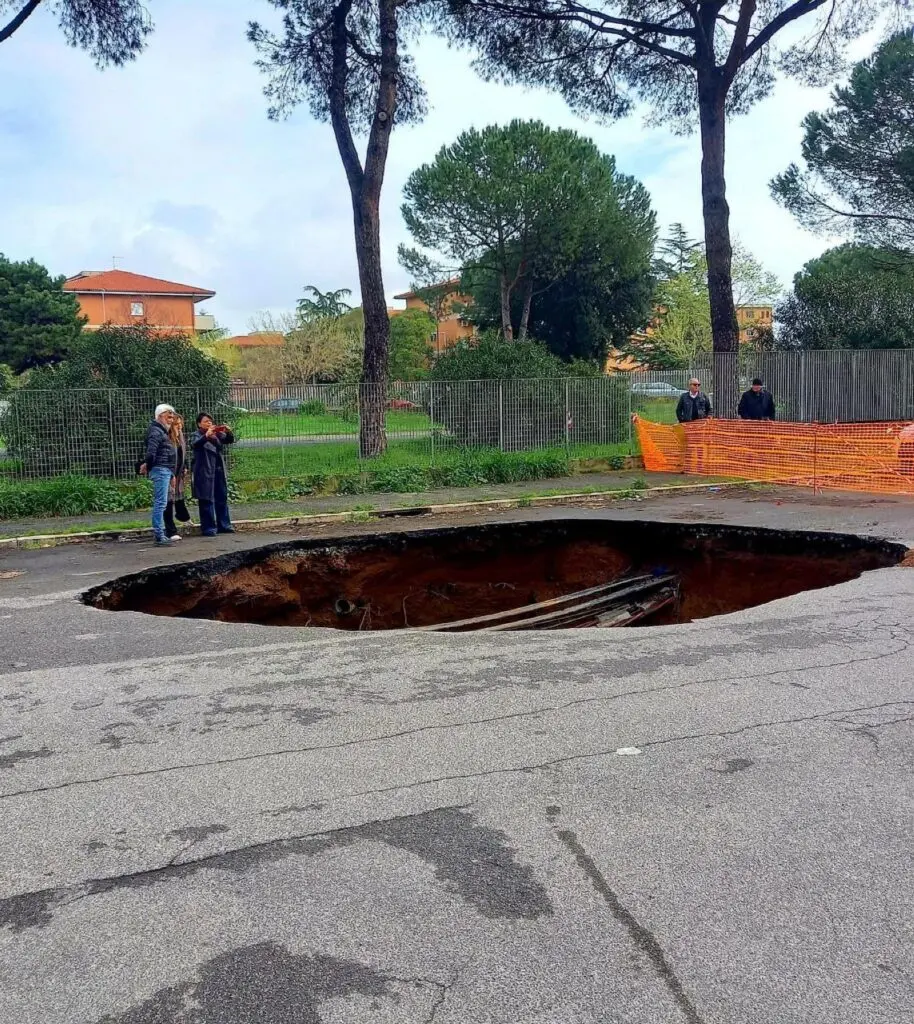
point(824, 386)
point(299, 431)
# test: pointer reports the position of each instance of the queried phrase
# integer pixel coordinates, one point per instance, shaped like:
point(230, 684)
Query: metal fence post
point(630, 377)
point(567, 415)
point(501, 417)
point(111, 435)
point(431, 417)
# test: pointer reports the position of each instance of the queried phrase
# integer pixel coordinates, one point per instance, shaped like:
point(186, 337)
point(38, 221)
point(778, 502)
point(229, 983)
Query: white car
point(658, 389)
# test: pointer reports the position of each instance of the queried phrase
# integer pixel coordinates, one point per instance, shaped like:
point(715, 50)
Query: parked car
point(282, 405)
point(657, 389)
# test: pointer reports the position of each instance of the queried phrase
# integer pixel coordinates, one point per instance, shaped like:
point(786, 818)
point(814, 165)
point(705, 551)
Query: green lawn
point(658, 410)
point(407, 462)
point(263, 424)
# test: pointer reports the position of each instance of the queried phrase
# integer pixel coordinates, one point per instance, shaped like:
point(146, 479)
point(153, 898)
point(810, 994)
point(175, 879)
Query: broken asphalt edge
point(53, 540)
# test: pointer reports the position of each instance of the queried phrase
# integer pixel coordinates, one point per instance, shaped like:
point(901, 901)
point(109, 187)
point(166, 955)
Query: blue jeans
point(214, 515)
point(161, 482)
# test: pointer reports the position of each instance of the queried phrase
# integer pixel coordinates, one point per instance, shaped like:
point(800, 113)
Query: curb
point(55, 540)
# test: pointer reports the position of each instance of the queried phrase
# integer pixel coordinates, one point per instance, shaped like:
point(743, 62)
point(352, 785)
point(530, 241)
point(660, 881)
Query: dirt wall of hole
point(421, 578)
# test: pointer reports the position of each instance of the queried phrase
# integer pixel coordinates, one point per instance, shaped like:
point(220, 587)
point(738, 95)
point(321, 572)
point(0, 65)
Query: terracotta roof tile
point(132, 284)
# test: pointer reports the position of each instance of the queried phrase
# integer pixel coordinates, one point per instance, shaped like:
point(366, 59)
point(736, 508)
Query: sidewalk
point(310, 506)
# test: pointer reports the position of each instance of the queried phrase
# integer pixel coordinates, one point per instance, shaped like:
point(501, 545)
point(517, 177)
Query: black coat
point(160, 452)
point(754, 406)
point(689, 408)
point(209, 460)
point(180, 468)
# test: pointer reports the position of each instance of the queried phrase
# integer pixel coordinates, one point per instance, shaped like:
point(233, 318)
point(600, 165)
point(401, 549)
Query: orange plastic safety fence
point(872, 457)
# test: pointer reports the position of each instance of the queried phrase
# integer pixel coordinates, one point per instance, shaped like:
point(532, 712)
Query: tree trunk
point(506, 329)
point(525, 311)
point(365, 189)
point(716, 213)
point(372, 394)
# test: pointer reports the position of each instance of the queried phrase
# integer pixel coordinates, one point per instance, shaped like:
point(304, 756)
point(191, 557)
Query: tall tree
point(859, 156)
point(411, 335)
point(343, 57)
point(600, 297)
point(853, 296)
point(681, 331)
point(112, 31)
point(39, 321)
point(318, 305)
point(675, 251)
point(519, 207)
point(689, 59)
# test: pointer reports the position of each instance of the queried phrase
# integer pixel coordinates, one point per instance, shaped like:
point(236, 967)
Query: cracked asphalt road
point(204, 823)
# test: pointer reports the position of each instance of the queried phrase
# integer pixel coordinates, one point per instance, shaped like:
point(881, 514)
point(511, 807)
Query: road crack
point(641, 936)
point(444, 726)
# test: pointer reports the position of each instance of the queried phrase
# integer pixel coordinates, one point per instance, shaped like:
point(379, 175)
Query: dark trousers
point(214, 515)
point(171, 530)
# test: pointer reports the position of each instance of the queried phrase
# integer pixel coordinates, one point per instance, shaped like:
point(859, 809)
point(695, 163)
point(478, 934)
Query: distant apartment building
point(439, 300)
point(121, 298)
point(751, 318)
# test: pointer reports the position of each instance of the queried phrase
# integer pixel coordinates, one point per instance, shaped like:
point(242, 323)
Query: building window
point(136, 309)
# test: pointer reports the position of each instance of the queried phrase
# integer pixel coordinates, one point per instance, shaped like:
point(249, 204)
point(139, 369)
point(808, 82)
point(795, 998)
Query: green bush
point(71, 496)
point(69, 419)
point(517, 395)
point(313, 408)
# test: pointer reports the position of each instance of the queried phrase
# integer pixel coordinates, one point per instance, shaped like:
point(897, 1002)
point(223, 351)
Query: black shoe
point(231, 529)
point(208, 533)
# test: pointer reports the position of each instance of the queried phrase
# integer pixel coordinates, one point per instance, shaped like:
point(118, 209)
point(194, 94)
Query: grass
point(657, 410)
point(294, 472)
point(335, 459)
point(302, 424)
point(71, 496)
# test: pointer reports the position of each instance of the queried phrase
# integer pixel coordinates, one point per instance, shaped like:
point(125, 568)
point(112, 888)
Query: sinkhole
point(547, 574)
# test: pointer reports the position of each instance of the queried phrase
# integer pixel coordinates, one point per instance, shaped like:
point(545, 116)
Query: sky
point(171, 167)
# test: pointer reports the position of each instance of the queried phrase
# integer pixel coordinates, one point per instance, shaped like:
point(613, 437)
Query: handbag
point(181, 511)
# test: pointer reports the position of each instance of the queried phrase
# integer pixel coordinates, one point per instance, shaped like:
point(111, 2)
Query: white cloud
point(171, 163)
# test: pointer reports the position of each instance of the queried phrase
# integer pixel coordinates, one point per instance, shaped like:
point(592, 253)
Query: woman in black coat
point(210, 477)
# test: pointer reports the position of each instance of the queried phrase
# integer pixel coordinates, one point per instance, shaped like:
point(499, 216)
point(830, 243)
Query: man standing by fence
point(694, 404)
point(161, 459)
point(756, 403)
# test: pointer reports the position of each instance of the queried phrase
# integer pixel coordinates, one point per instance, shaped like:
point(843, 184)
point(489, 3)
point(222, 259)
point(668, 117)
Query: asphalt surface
point(204, 823)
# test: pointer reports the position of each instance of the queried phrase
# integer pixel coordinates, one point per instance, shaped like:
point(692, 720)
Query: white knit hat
point(163, 408)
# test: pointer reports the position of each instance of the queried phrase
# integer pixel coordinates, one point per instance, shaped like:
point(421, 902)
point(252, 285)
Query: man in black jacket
point(159, 466)
point(694, 404)
point(756, 403)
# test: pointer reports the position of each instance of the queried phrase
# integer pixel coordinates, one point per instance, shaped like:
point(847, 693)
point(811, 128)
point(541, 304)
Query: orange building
point(124, 299)
point(751, 318)
point(439, 301)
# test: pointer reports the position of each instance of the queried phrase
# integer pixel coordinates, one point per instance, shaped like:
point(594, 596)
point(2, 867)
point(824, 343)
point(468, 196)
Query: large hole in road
point(617, 573)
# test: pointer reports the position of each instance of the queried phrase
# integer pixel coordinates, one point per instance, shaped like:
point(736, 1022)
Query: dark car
point(282, 405)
